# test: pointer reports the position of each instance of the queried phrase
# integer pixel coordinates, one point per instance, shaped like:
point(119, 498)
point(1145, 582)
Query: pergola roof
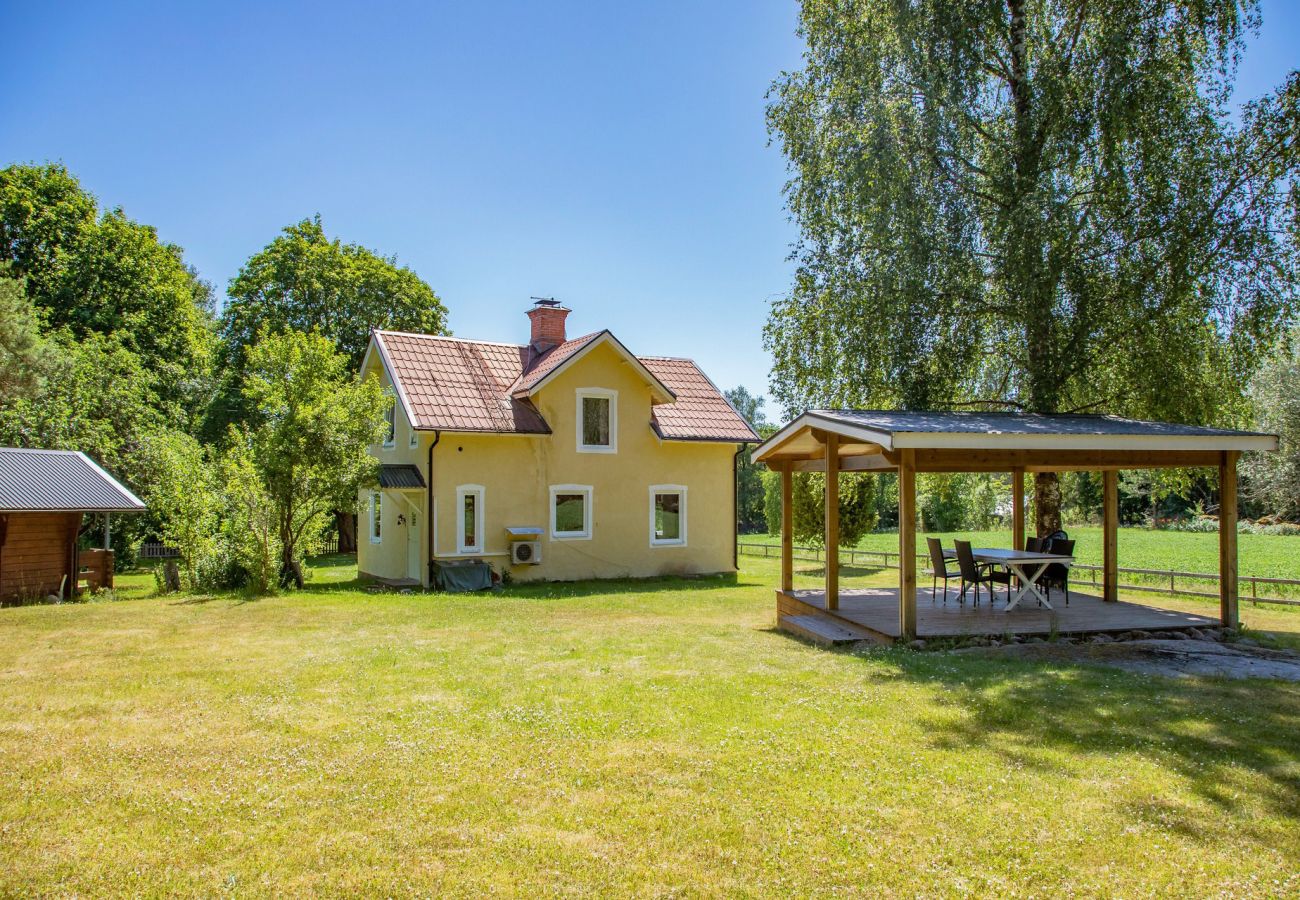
point(975, 441)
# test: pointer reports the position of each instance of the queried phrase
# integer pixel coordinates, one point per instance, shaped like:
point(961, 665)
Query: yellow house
point(557, 459)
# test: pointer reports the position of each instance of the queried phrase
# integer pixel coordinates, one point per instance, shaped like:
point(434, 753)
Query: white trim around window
point(594, 393)
point(390, 419)
point(569, 490)
point(376, 517)
point(463, 493)
point(657, 491)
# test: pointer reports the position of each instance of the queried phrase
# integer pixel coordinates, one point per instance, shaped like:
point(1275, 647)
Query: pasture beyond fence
point(1162, 581)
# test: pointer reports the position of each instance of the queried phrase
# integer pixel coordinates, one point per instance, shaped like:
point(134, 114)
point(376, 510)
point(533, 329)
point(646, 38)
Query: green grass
point(655, 737)
point(1263, 555)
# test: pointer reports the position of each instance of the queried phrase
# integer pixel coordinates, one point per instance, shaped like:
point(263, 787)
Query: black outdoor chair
point(1057, 574)
point(938, 568)
point(972, 573)
point(1033, 545)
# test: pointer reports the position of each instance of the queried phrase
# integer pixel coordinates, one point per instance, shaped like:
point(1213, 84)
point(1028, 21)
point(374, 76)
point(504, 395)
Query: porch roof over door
point(980, 441)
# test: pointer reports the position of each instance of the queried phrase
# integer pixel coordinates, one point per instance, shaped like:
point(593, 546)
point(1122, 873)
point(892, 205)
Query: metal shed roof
point(62, 480)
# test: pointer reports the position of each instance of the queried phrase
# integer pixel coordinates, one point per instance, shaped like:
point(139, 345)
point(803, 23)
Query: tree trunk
point(290, 571)
point(1047, 502)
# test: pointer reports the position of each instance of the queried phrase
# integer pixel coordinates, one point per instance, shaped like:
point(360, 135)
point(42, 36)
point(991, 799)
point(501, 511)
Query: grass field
point(654, 737)
point(1267, 556)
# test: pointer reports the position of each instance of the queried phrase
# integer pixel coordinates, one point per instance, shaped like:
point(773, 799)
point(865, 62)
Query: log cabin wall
point(37, 550)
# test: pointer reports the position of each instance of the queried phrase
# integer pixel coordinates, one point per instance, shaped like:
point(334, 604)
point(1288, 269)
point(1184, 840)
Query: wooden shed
point(44, 494)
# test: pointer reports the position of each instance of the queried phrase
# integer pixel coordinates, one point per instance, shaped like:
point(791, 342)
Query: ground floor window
point(667, 515)
point(571, 511)
point(376, 517)
point(469, 518)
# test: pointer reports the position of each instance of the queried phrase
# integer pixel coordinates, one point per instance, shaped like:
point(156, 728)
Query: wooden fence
point(156, 550)
point(1160, 581)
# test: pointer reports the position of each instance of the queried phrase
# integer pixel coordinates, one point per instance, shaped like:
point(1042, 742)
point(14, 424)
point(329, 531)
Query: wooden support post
point(907, 544)
point(787, 527)
point(1228, 540)
point(832, 521)
point(1017, 509)
point(1110, 536)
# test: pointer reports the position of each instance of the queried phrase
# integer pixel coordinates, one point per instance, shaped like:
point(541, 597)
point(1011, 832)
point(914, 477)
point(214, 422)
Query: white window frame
point(585, 534)
point(680, 491)
point(390, 419)
point(478, 492)
point(603, 394)
point(376, 517)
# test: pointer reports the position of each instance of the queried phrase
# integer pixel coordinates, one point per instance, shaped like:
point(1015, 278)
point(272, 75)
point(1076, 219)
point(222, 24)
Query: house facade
point(604, 463)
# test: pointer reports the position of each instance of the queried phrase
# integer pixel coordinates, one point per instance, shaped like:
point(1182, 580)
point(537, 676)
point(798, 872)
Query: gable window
point(390, 419)
point(571, 511)
point(469, 518)
point(376, 518)
point(597, 420)
point(667, 515)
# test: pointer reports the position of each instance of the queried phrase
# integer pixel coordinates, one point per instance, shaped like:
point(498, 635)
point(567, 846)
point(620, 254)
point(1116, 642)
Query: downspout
point(429, 517)
point(735, 508)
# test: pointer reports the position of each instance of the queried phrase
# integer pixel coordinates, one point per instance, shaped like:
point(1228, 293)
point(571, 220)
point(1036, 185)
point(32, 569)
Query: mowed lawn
point(1262, 555)
point(651, 737)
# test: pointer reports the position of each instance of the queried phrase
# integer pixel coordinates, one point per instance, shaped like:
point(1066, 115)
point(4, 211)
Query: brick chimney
point(547, 318)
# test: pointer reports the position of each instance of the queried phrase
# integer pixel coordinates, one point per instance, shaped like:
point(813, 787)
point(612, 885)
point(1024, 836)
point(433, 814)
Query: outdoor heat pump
point(525, 548)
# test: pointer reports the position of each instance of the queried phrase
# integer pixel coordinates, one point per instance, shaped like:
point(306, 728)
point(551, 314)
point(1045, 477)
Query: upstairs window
point(597, 420)
point(667, 515)
point(390, 419)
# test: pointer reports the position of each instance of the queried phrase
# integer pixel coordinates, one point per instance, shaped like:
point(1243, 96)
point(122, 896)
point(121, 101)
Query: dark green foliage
point(1274, 478)
point(1044, 207)
point(303, 281)
point(108, 275)
point(750, 517)
point(857, 507)
point(23, 354)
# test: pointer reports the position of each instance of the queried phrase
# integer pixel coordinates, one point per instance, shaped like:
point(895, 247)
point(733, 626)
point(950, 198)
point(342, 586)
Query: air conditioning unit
point(525, 553)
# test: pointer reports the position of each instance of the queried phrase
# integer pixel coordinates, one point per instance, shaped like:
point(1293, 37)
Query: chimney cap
point(547, 303)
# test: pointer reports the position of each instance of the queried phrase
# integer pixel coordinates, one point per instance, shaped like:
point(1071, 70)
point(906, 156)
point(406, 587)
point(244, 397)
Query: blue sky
point(613, 155)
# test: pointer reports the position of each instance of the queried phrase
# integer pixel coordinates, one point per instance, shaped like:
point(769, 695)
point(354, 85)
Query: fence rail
point(890, 561)
point(156, 550)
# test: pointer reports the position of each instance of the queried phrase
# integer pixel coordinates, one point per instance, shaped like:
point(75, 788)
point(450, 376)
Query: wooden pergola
point(834, 441)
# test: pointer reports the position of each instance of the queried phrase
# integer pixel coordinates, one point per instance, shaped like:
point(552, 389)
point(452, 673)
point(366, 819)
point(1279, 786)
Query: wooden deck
point(872, 613)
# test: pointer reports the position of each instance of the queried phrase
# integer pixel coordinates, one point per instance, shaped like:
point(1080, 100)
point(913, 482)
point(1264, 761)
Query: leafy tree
point(309, 438)
point(808, 496)
point(1040, 207)
point(252, 525)
point(183, 495)
point(1273, 479)
point(749, 481)
point(303, 281)
point(108, 275)
point(23, 354)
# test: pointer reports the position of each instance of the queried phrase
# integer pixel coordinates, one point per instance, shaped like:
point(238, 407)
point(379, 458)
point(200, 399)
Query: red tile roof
point(701, 413)
point(549, 361)
point(458, 385)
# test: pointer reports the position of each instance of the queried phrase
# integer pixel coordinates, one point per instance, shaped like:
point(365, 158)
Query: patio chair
point(1033, 545)
point(938, 568)
point(972, 573)
point(1057, 574)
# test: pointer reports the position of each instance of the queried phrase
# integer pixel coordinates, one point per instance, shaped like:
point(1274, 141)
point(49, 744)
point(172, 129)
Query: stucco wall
point(518, 471)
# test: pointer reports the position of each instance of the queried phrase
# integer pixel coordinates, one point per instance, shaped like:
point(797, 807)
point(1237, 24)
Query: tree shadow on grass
point(1212, 732)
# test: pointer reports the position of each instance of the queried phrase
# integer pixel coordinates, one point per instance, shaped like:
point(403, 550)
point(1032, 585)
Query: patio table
point(1028, 567)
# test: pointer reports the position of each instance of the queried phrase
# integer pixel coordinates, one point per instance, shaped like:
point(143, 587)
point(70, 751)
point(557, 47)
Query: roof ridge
point(38, 450)
point(452, 338)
